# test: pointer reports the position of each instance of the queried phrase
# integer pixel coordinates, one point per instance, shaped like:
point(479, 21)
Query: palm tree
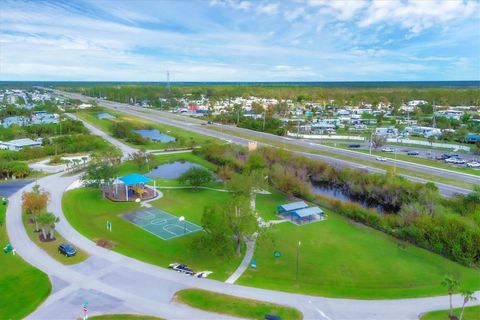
point(467, 296)
point(47, 222)
point(452, 285)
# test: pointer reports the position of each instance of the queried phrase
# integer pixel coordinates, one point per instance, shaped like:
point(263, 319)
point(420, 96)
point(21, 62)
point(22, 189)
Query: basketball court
point(161, 223)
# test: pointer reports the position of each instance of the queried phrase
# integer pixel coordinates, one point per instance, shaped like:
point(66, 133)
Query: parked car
point(387, 149)
point(383, 159)
point(459, 161)
point(183, 268)
point(67, 250)
point(413, 153)
point(451, 160)
point(473, 164)
point(354, 145)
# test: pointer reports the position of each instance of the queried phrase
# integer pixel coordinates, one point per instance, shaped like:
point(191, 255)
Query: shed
point(291, 206)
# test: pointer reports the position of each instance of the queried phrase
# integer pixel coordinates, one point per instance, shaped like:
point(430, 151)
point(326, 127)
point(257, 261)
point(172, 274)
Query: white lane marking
point(323, 314)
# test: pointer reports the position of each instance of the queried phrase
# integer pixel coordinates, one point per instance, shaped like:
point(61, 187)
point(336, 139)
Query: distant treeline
point(297, 93)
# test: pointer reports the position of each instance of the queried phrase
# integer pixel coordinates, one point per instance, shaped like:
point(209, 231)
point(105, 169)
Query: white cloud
point(417, 15)
point(342, 9)
point(271, 8)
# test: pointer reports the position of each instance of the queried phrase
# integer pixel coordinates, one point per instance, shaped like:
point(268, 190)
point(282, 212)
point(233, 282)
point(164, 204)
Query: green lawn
point(51, 247)
point(88, 212)
point(339, 258)
point(184, 136)
point(123, 317)
point(239, 307)
point(23, 286)
point(471, 313)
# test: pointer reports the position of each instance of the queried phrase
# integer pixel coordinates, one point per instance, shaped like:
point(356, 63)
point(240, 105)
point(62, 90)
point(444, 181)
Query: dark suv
point(67, 250)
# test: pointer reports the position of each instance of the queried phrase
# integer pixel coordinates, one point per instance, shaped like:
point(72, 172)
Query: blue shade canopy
point(292, 206)
point(306, 212)
point(134, 178)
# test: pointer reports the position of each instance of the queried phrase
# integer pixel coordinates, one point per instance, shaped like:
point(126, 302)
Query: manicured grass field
point(225, 304)
point(88, 212)
point(123, 317)
point(339, 258)
point(23, 287)
point(51, 247)
point(471, 313)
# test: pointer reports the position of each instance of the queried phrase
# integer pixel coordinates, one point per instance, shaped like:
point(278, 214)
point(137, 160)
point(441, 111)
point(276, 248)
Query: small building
point(284, 208)
point(306, 215)
point(386, 132)
point(105, 115)
point(19, 144)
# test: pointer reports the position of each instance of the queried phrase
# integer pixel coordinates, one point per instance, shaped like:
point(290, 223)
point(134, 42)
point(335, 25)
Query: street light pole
point(298, 254)
point(182, 218)
point(371, 142)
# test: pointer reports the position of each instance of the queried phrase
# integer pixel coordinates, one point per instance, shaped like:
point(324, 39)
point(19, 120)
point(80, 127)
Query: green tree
point(195, 177)
point(47, 221)
point(468, 296)
point(230, 225)
point(378, 141)
point(100, 175)
point(142, 158)
point(452, 285)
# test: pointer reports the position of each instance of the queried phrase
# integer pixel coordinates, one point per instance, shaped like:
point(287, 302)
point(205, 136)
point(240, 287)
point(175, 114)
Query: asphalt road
point(195, 125)
point(113, 283)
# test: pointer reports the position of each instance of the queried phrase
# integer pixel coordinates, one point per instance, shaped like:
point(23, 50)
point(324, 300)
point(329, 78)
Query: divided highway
point(194, 125)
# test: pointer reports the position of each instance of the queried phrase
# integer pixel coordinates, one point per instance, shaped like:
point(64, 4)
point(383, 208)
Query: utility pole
point(371, 142)
point(263, 121)
point(433, 120)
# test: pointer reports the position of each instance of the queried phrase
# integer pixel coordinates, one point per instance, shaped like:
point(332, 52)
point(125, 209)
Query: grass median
point(234, 306)
point(24, 287)
point(51, 247)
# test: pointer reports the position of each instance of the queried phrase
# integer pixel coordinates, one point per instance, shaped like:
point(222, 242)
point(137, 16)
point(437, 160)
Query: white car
point(383, 159)
point(451, 160)
point(460, 161)
point(387, 149)
point(473, 164)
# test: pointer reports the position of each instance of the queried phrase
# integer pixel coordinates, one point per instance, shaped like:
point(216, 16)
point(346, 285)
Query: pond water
point(171, 170)
point(338, 193)
point(155, 135)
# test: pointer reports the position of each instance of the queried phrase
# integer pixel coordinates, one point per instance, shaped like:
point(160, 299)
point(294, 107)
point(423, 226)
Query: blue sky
point(240, 40)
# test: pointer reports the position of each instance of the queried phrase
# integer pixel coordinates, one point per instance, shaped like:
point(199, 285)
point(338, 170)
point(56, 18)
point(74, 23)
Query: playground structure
point(130, 188)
